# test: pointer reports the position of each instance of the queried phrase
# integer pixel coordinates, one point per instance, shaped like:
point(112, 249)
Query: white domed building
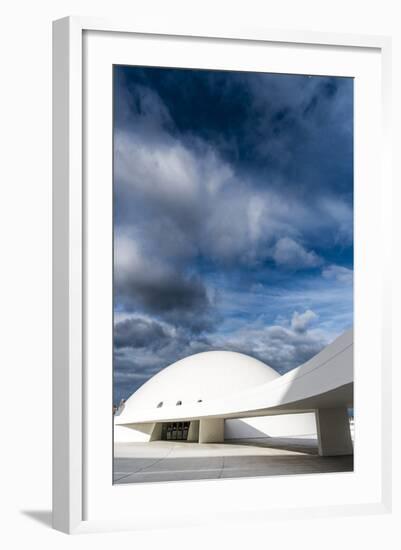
point(222, 395)
point(201, 378)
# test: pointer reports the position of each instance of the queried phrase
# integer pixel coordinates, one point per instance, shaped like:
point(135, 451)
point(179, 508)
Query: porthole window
point(160, 404)
point(179, 403)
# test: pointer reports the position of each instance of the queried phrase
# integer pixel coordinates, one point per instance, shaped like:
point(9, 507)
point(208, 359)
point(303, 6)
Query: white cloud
point(165, 170)
point(301, 321)
point(256, 210)
point(191, 199)
point(338, 214)
point(338, 273)
point(291, 254)
point(281, 346)
point(126, 254)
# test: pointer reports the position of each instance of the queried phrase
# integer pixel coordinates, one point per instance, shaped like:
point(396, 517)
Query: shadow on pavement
point(41, 516)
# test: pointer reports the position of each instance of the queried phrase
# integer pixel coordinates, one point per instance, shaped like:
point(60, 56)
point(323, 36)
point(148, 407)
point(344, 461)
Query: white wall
point(284, 425)
point(25, 291)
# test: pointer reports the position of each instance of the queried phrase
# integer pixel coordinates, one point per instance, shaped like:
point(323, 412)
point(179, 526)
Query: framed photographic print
point(219, 286)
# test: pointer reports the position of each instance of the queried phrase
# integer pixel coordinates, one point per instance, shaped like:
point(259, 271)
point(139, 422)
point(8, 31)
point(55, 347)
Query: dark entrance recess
point(177, 431)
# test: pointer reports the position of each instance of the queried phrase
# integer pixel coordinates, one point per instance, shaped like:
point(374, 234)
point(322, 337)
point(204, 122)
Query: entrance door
point(176, 431)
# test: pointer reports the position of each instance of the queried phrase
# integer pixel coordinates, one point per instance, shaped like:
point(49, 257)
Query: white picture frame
point(72, 425)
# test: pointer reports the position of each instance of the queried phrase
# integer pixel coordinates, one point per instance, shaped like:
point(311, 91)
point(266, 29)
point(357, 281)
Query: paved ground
point(181, 460)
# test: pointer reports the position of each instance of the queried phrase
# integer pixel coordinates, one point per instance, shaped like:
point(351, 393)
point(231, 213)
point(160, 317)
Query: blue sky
point(233, 216)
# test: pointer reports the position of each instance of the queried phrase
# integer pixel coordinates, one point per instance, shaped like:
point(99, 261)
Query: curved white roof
point(204, 376)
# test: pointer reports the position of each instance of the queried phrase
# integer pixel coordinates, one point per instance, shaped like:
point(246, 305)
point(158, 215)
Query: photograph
point(233, 258)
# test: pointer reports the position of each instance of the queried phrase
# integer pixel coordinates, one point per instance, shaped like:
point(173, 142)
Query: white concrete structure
point(213, 396)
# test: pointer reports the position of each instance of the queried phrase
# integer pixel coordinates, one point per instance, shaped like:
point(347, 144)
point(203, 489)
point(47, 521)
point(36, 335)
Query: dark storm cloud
point(175, 299)
point(150, 285)
point(140, 333)
point(161, 294)
point(263, 123)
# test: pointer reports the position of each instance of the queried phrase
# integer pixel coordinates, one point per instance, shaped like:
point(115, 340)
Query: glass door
point(176, 431)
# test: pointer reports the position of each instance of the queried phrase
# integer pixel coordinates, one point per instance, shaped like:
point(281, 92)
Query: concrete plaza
point(181, 460)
